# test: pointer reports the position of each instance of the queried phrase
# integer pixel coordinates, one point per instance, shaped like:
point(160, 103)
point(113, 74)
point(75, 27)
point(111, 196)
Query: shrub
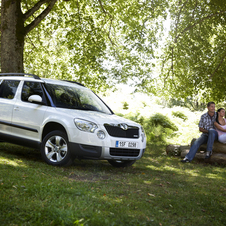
point(162, 120)
point(159, 127)
point(179, 114)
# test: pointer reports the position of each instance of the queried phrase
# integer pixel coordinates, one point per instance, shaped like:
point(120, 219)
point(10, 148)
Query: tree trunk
point(12, 36)
point(217, 147)
point(175, 150)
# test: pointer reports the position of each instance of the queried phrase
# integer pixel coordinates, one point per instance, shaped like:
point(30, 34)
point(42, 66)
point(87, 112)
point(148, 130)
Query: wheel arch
point(51, 126)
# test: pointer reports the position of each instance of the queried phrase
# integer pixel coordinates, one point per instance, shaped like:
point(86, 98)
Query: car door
point(28, 117)
point(8, 90)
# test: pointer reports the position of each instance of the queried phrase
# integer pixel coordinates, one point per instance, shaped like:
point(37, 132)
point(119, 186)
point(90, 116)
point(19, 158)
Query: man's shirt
point(207, 122)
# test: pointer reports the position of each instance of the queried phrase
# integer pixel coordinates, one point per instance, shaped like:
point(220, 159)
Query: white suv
point(65, 120)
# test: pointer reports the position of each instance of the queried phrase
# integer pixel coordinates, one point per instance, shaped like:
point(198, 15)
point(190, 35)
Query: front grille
point(124, 152)
point(117, 131)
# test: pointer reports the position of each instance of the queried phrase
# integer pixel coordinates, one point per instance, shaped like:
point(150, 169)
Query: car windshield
point(71, 97)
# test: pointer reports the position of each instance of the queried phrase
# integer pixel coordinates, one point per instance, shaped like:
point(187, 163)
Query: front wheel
point(55, 149)
point(121, 163)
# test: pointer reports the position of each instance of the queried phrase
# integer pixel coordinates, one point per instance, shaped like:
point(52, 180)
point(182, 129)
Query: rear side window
point(31, 88)
point(8, 88)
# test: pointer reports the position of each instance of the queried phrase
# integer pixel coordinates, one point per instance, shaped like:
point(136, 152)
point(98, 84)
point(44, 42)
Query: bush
point(162, 120)
point(159, 127)
point(179, 114)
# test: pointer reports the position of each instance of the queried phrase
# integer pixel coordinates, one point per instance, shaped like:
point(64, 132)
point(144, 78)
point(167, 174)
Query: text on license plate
point(125, 144)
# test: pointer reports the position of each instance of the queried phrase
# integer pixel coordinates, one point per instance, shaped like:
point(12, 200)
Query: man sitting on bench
point(209, 134)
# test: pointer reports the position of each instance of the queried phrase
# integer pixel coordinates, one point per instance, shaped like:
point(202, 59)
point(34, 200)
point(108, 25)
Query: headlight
point(142, 134)
point(142, 129)
point(85, 126)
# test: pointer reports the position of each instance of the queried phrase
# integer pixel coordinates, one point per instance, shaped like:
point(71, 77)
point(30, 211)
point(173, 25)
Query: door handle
point(16, 109)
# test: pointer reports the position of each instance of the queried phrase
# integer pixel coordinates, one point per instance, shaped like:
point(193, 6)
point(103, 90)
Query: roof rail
point(73, 82)
point(23, 74)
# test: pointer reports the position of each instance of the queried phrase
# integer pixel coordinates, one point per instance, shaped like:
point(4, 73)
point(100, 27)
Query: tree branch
point(178, 18)
point(35, 8)
point(218, 66)
point(34, 23)
point(172, 56)
point(101, 5)
point(111, 19)
point(110, 28)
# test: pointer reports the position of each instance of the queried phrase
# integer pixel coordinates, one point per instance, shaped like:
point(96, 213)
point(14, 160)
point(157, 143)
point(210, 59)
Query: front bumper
point(98, 152)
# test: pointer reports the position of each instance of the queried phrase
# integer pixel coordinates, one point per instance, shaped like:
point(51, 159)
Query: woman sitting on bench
point(220, 125)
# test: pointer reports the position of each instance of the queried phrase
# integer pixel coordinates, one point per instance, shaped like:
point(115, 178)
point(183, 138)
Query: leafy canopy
point(96, 42)
point(194, 59)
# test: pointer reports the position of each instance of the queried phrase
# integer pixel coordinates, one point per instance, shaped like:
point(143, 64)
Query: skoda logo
point(123, 126)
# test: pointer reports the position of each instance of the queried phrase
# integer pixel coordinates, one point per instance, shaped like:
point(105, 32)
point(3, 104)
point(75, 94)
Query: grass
point(156, 190)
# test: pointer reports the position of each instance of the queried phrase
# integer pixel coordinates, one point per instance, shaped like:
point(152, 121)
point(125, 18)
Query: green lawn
point(156, 190)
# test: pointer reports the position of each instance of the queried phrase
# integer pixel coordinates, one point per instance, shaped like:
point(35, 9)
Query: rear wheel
point(121, 163)
point(55, 149)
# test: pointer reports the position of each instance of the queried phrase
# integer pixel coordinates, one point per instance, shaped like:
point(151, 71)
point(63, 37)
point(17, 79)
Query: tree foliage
point(96, 42)
point(194, 59)
point(101, 43)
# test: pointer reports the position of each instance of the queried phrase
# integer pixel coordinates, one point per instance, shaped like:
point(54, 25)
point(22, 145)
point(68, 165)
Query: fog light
point(101, 134)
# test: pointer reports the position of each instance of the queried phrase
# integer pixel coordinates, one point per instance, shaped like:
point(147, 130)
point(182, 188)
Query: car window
point(75, 98)
point(31, 88)
point(8, 88)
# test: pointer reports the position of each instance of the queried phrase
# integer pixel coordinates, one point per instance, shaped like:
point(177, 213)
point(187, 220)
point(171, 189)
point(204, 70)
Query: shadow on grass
point(16, 151)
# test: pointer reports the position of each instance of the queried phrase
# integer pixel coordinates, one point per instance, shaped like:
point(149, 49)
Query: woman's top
point(223, 127)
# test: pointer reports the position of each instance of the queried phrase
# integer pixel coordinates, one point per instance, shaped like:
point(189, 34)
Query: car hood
point(97, 117)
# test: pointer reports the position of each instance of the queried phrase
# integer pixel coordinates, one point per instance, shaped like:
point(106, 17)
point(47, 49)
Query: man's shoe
point(208, 154)
point(185, 160)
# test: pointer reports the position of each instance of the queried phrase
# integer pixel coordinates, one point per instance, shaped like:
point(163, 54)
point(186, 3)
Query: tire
point(121, 163)
point(55, 149)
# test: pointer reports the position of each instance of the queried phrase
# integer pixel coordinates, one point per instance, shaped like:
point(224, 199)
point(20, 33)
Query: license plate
point(125, 144)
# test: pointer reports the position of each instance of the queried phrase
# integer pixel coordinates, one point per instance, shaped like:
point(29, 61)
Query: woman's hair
point(217, 115)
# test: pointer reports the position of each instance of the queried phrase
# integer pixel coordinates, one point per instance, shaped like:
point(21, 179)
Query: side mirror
point(35, 99)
